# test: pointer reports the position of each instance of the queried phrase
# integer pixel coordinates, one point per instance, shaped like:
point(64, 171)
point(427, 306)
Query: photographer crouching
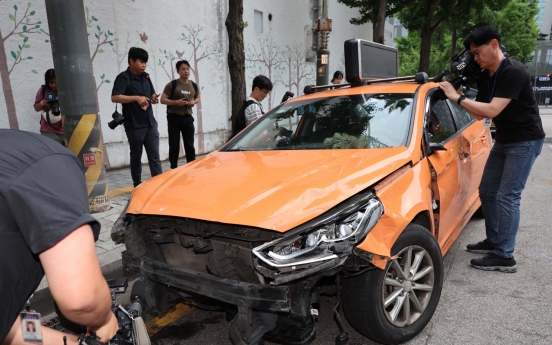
point(46, 102)
point(506, 96)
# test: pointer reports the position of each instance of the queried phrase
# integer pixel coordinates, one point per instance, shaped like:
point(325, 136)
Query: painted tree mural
point(201, 50)
point(102, 38)
point(293, 59)
point(23, 25)
point(268, 57)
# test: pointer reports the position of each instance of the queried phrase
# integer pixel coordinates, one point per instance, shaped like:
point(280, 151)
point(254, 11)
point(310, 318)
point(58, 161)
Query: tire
point(364, 296)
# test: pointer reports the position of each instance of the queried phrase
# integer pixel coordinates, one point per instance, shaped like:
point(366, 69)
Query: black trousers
point(149, 139)
point(176, 125)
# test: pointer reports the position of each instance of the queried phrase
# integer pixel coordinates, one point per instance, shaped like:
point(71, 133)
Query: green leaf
point(25, 39)
point(108, 81)
point(20, 48)
point(86, 9)
point(37, 22)
point(27, 20)
point(15, 7)
point(116, 40)
point(47, 41)
point(21, 35)
point(24, 27)
point(98, 37)
point(101, 51)
point(11, 17)
point(29, 57)
point(34, 71)
point(37, 26)
point(97, 26)
point(27, 46)
point(13, 54)
point(111, 44)
point(94, 19)
point(32, 13)
point(102, 76)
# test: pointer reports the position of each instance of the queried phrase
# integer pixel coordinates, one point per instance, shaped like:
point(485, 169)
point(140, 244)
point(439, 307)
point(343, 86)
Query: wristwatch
point(461, 98)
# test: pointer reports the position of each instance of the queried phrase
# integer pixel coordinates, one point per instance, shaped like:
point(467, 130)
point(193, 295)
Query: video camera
point(53, 101)
point(464, 69)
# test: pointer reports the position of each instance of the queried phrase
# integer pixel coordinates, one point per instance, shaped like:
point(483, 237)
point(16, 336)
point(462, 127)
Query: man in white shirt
point(261, 87)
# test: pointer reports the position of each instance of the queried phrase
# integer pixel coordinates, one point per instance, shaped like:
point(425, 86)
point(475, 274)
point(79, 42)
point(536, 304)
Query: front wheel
point(392, 306)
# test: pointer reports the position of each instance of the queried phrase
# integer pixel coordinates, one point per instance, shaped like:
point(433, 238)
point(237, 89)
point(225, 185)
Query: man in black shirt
point(505, 94)
point(134, 90)
point(46, 228)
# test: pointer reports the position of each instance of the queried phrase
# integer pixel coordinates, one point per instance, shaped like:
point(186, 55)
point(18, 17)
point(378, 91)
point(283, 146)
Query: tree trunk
point(6, 86)
point(425, 48)
point(379, 27)
point(453, 45)
point(236, 54)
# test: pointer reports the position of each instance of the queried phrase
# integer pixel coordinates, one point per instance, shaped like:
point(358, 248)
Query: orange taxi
point(364, 187)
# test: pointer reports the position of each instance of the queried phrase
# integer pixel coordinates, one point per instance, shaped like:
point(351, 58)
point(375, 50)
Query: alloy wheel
point(408, 285)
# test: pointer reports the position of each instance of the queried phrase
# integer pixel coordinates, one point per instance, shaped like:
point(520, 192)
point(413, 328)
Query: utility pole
point(77, 95)
point(323, 28)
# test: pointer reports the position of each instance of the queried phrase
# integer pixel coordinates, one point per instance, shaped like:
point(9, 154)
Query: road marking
point(172, 315)
point(116, 192)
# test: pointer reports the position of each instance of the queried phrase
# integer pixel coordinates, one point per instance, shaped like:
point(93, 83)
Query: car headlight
point(325, 241)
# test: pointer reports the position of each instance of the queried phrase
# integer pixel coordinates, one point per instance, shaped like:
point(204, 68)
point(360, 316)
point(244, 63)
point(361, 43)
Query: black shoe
point(483, 247)
point(493, 262)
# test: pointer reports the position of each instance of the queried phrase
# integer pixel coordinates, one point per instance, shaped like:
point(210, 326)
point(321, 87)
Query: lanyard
point(491, 93)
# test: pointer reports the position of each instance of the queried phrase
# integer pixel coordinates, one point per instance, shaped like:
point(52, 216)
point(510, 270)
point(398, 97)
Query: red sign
point(89, 159)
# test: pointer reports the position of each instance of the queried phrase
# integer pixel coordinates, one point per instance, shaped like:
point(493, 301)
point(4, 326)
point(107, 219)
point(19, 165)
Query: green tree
point(374, 11)
point(427, 16)
point(516, 23)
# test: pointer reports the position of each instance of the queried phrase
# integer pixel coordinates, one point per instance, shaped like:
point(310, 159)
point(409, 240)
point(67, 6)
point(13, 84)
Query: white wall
point(167, 34)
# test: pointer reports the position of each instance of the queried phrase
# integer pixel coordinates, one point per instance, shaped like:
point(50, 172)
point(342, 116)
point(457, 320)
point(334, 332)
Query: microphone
point(138, 291)
point(137, 295)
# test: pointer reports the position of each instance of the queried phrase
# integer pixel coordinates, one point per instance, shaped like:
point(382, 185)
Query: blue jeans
point(504, 177)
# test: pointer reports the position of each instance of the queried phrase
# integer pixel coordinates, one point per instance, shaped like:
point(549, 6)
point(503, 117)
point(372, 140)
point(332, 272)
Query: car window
point(364, 121)
point(461, 116)
point(441, 123)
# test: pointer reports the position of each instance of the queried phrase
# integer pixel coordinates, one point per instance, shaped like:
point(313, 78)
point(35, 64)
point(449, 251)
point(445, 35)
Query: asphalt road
point(476, 307)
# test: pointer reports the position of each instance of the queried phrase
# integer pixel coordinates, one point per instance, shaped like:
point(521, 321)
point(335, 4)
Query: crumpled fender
point(404, 194)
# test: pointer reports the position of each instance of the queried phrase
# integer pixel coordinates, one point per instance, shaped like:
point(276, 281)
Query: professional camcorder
point(464, 69)
point(117, 119)
point(53, 101)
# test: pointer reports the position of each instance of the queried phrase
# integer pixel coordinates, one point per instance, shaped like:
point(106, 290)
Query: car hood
point(275, 190)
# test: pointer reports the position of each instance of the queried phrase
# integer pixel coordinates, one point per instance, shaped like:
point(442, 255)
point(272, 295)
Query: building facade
point(278, 43)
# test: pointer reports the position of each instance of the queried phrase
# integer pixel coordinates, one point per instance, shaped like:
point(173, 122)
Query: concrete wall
point(191, 30)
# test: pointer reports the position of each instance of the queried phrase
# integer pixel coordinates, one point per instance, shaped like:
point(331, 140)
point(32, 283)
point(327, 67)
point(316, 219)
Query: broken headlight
point(325, 241)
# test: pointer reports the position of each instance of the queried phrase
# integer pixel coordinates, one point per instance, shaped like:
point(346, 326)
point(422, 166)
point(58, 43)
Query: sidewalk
point(109, 254)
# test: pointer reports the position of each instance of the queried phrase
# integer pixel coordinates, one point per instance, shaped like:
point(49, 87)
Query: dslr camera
point(117, 119)
point(53, 101)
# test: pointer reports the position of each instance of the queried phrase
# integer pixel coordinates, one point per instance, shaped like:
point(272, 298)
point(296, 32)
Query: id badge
point(487, 122)
point(31, 327)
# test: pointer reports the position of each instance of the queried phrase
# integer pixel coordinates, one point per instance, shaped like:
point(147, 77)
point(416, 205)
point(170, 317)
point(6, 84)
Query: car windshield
point(364, 121)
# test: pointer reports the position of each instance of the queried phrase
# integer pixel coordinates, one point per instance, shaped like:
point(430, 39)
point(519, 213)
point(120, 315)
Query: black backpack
point(173, 87)
point(238, 121)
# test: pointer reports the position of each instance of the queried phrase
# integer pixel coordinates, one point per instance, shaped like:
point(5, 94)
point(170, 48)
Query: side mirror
point(436, 147)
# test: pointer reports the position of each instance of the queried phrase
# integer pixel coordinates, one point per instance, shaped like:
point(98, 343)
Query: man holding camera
point(506, 96)
point(134, 90)
point(47, 229)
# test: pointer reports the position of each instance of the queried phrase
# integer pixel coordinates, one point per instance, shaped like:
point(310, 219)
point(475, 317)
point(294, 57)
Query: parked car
point(366, 187)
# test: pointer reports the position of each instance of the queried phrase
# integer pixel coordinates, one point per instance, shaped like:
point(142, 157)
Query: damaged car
point(365, 186)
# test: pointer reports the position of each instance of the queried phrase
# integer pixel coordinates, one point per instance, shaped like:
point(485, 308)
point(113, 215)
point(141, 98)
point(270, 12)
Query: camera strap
point(491, 91)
